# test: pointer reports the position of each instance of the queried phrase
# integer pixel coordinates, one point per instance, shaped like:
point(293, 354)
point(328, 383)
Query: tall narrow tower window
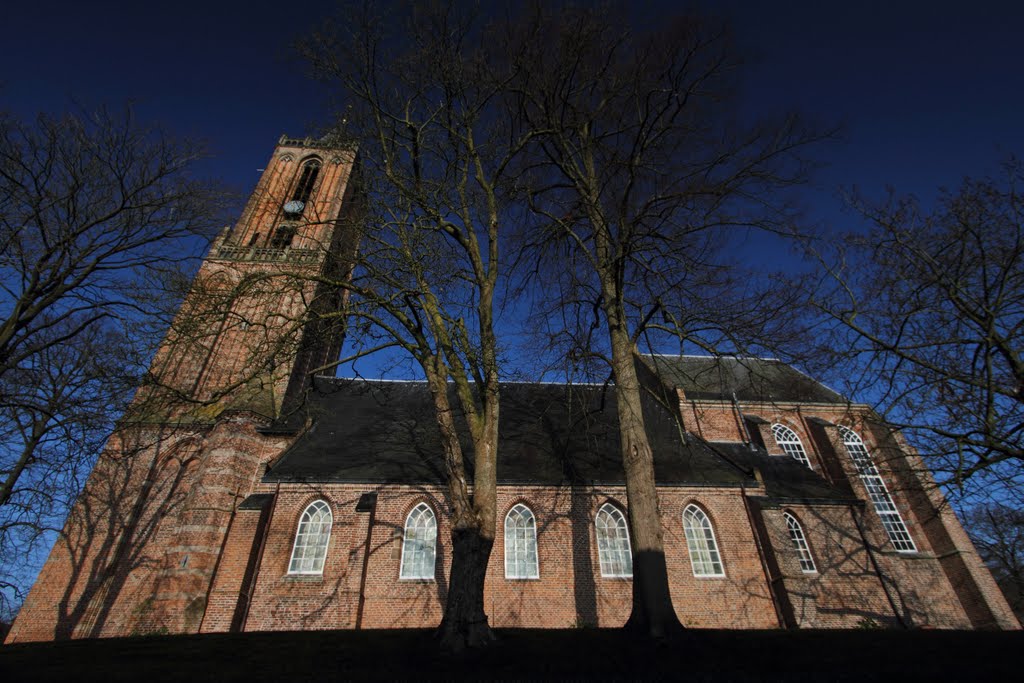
point(884, 505)
point(283, 237)
point(307, 178)
point(790, 443)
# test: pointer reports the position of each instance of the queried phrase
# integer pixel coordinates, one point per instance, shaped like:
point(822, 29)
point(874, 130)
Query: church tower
point(244, 337)
point(141, 545)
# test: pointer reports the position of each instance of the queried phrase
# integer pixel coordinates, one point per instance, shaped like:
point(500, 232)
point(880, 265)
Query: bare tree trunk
point(465, 622)
point(653, 612)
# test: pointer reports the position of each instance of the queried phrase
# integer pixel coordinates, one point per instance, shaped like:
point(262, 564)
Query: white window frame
point(790, 443)
point(419, 539)
point(614, 552)
point(521, 543)
point(309, 551)
point(705, 558)
point(891, 518)
point(803, 551)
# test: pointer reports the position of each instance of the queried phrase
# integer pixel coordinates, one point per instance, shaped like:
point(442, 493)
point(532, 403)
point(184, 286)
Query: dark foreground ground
point(526, 655)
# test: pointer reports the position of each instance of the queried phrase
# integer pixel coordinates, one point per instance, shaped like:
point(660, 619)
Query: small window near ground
point(803, 551)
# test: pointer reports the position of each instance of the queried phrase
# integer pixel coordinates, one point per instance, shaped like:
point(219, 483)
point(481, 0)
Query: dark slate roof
point(751, 379)
point(385, 432)
point(366, 431)
point(784, 477)
point(256, 501)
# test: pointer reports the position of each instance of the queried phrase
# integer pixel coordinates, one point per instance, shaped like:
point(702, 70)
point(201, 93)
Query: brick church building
point(242, 492)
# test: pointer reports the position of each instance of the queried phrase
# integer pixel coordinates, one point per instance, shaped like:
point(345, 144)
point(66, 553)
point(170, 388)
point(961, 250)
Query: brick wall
point(570, 590)
point(110, 546)
point(845, 590)
point(944, 583)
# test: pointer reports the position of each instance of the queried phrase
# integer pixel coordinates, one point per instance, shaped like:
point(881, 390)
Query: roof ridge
point(384, 380)
point(725, 356)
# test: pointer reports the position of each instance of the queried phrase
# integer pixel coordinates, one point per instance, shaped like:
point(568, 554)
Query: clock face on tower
point(294, 206)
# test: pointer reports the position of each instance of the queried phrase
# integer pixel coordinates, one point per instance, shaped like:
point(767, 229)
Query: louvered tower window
point(307, 179)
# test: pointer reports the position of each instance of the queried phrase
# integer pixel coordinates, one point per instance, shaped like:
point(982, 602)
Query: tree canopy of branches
point(92, 211)
point(998, 533)
point(643, 172)
point(436, 151)
point(928, 307)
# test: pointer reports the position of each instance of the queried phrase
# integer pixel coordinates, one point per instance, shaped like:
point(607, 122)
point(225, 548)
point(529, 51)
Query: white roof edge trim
point(725, 356)
point(423, 381)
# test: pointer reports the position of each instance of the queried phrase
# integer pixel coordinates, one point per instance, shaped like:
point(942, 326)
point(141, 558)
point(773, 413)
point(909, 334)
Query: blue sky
point(927, 91)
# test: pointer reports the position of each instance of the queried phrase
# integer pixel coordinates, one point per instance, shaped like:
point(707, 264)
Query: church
point(244, 491)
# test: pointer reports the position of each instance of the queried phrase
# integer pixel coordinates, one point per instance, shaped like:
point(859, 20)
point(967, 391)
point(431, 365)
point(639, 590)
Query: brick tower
point(142, 543)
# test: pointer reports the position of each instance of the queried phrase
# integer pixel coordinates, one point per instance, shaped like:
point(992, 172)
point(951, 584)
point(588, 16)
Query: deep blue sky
point(928, 91)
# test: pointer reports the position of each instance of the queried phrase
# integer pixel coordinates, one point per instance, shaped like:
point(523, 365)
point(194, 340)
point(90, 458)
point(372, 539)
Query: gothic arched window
point(803, 551)
point(520, 544)
point(879, 494)
point(283, 237)
point(613, 551)
point(700, 540)
point(311, 539)
point(419, 544)
point(790, 443)
point(307, 179)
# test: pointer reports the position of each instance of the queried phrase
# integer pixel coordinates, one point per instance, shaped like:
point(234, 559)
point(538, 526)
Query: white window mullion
point(884, 505)
point(613, 550)
point(419, 544)
point(311, 539)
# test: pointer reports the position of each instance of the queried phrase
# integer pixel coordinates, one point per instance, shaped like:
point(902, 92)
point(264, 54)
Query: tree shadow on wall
point(851, 586)
point(138, 481)
point(561, 441)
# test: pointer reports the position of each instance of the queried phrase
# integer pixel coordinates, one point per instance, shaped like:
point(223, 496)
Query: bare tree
point(928, 315)
point(644, 174)
point(436, 146)
point(93, 210)
point(998, 533)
